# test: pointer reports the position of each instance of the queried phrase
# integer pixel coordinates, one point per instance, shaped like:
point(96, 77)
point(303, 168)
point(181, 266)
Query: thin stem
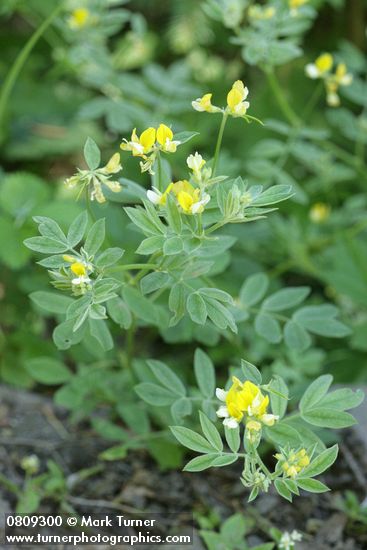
point(287, 110)
point(313, 100)
point(21, 59)
point(159, 168)
point(219, 142)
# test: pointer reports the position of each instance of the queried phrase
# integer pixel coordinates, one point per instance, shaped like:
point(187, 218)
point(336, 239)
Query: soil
point(31, 424)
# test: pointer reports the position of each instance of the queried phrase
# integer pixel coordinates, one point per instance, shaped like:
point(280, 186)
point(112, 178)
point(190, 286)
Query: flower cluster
point(150, 142)
point(75, 275)
point(294, 6)
point(322, 68)
point(236, 102)
point(79, 18)
point(245, 401)
point(261, 13)
point(192, 200)
point(293, 462)
point(288, 540)
point(319, 212)
point(95, 179)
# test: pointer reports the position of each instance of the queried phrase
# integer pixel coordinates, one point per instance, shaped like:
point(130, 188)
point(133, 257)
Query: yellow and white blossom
point(165, 139)
point(321, 67)
point(191, 199)
point(261, 13)
point(244, 401)
point(156, 197)
point(340, 78)
point(293, 462)
point(140, 146)
point(81, 272)
point(319, 212)
point(294, 5)
point(195, 163)
point(79, 18)
point(204, 103)
point(236, 104)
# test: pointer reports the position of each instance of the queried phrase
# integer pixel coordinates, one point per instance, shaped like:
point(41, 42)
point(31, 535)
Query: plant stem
point(21, 59)
point(219, 142)
point(159, 168)
point(287, 110)
point(313, 100)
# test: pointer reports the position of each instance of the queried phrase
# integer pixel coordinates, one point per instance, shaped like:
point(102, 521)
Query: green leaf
point(251, 372)
point(343, 399)
point(254, 289)
point(99, 330)
point(150, 245)
point(47, 370)
point(181, 408)
point(192, 440)
point(176, 302)
point(204, 373)
point(196, 308)
point(296, 337)
point(315, 392)
point(119, 312)
point(172, 246)
point(156, 395)
point(224, 460)
point(200, 463)
point(321, 463)
point(77, 229)
point(283, 435)
point(92, 154)
point(45, 245)
point(274, 194)
point(233, 438)
point(95, 237)
point(173, 215)
point(312, 485)
point(141, 219)
point(51, 302)
point(153, 281)
point(64, 336)
point(217, 294)
point(220, 315)
point(109, 257)
point(268, 327)
point(139, 305)
point(210, 432)
point(328, 418)
point(321, 320)
point(282, 489)
point(286, 298)
point(183, 137)
point(167, 377)
point(278, 403)
point(49, 228)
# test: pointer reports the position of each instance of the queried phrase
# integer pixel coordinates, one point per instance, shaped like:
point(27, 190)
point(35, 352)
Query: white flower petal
point(153, 196)
point(230, 423)
point(222, 412)
point(312, 71)
point(221, 394)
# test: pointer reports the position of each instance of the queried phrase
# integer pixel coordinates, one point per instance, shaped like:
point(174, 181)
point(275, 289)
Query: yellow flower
point(295, 4)
point(156, 197)
point(113, 165)
point(140, 146)
point(205, 104)
point(195, 163)
point(236, 104)
point(78, 269)
point(79, 18)
point(191, 199)
point(244, 399)
point(261, 12)
point(321, 67)
point(319, 212)
point(340, 78)
point(294, 462)
point(165, 139)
